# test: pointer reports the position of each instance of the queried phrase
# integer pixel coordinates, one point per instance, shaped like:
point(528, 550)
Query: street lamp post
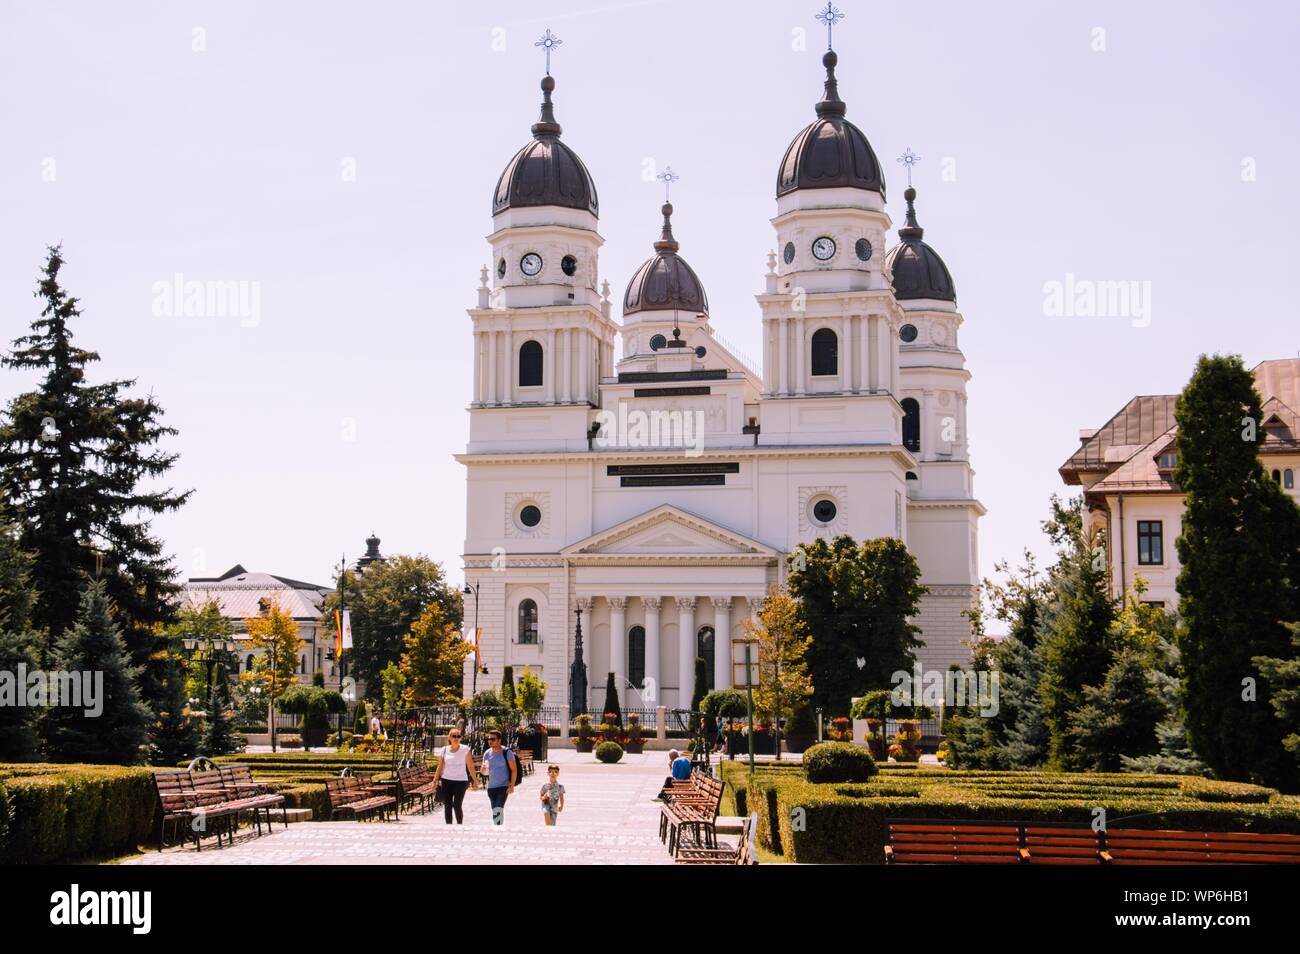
point(473, 590)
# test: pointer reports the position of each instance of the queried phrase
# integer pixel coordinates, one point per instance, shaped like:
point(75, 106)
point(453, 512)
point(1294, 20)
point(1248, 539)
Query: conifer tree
point(174, 733)
point(1283, 676)
point(79, 467)
point(1118, 717)
point(19, 645)
point(611, 703)
point(1240, 577)
point(93, 645)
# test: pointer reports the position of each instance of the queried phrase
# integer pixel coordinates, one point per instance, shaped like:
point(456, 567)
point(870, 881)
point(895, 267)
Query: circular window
point(863, 249)
point(657, 342)
point(530, 516)
point(788, 254)
point(530, 264)
point(501, 268)
point(569, 265)
point(824, 511)
point(907, 332)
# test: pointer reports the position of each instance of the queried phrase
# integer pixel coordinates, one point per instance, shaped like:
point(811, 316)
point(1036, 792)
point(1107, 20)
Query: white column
point(548, 367)
point(650, 688)
point(492, 367)
point(800, 355)
point(864, 355)
point(782, 376)
point(721, 642)
point(584, 366)
point(508, 378)
point(685, 650)
point(618, 644)
point(566, 366)
point(478, 367)
point(873, 352)
point(846, 354)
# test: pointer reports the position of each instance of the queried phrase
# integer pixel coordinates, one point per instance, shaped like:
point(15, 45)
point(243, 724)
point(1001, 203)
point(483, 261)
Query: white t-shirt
point(453, 764)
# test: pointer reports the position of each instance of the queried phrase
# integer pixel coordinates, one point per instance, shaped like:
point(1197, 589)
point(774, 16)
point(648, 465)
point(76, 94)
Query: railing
point(649, 718)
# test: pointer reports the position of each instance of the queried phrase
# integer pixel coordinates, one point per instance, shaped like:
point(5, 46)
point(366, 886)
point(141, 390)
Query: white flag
point(347, 629)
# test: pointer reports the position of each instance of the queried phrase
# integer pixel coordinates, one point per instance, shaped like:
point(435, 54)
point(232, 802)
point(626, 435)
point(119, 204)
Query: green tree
point(315, 704)
point(93, 646)
point(1240, 556)
point(1118, 717)
point(384, 602)
point(857, 601)
point(198, 626)
point(81, 469)
point(275, 669)
point(219, 735)
point(434, 660)
point(1283, 675)
point(1075, 639)
point(508, 686)
point(19, 645)
point(174, 732)
point(531, 692)
point(392, 686)
point(611, 703)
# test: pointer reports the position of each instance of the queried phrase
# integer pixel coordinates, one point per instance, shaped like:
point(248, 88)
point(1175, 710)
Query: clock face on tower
point(531, 264)
point(823, 248)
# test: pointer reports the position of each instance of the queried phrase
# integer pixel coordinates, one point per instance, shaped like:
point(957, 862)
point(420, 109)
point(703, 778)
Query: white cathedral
point(856, 425)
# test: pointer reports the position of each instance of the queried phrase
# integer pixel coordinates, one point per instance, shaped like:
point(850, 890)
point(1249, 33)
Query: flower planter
point(584, 745)
point(634, 748)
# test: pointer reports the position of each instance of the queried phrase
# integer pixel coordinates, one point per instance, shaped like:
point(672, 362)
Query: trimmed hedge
point(845, 823)
point(838, 762)
point(53, 814)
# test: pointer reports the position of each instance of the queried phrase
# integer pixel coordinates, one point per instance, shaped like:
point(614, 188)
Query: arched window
point(530, 365)
point(1288, 478)
point(704, 649)
point(911, 424)
point(1277, 477)
point(527, 622)
point(636, 655)
point(825, 352)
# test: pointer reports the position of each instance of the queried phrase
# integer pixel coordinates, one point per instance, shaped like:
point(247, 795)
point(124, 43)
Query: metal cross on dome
point(909, 159)
point(548, 42)
point(667, 177)
point(830, 16)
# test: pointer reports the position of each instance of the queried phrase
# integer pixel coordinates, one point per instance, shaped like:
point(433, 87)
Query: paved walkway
point(610, 817)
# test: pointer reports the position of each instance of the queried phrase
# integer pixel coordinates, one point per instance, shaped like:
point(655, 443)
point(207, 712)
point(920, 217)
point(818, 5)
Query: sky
point(338, 162)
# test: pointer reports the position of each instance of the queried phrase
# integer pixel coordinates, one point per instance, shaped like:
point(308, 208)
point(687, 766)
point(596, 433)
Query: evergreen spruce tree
point(1118, 717)
point(174, 733)
point(219, 735)
point(1240, 578)
point(79, 466)
point(1075, 639)
point(19, 645)
point(508, 687)
point(1283, 677)
point(119, 732)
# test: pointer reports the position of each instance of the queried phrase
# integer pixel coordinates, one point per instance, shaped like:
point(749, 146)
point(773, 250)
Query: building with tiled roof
point(243, 595)
point(1125, 468)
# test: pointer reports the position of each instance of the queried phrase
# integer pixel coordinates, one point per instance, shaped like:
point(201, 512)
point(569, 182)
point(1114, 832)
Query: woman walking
point(456, 773)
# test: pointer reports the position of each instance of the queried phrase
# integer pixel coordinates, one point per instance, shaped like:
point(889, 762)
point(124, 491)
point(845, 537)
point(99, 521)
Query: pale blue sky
point(1120, 164)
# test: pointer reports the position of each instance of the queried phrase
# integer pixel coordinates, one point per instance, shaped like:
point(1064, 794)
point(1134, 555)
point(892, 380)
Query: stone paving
point(610, 817)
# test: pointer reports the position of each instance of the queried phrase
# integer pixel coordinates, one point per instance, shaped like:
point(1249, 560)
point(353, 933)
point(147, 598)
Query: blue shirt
point(498, 766)
point(681, 768)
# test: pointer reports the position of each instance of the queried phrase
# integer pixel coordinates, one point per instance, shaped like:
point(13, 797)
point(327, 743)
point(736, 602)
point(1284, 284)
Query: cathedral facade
point(639, 471)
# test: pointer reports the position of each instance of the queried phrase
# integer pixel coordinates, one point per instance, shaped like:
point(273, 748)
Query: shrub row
point(52, 814)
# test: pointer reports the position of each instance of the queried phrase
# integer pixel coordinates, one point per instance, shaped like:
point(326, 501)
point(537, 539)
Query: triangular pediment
point(668, 531)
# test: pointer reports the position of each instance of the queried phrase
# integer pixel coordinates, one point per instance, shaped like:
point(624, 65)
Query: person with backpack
point(502, 770)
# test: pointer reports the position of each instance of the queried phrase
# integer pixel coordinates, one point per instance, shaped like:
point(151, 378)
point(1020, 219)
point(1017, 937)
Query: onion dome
point(545, 171)
point(918, 270)
point(832, 153)
point(664, 282)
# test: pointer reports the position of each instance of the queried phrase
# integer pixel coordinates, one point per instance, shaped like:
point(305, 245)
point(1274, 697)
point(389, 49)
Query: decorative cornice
point(616, 456)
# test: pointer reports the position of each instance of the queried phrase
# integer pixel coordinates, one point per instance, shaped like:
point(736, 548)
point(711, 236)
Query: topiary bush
point(838, 762)
point(609, 752)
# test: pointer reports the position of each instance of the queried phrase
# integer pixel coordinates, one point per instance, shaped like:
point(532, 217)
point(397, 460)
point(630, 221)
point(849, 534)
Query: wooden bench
point(1133, 846)
point(354, 795)
point(691, 807)
point(916, 841)
point(416, 785)
point(946, 842)
point(198, 801)
point(742, 854)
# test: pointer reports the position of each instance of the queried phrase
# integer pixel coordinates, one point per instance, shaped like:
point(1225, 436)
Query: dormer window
point(1167, 460)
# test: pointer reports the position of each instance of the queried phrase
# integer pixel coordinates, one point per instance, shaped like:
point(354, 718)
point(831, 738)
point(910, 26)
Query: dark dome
point(664, 281)
point(831, 152)
point(918, 270)
point(545, 171)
